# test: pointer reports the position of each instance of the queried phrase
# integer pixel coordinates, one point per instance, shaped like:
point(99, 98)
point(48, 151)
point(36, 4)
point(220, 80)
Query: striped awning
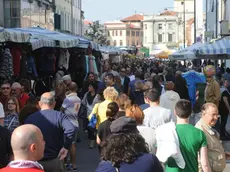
point(220, 47)
point(40, 43)
point(63, 40)
point(7, 35)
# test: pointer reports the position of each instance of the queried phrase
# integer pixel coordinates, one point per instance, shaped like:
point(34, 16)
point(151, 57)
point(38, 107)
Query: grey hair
point(48, 100)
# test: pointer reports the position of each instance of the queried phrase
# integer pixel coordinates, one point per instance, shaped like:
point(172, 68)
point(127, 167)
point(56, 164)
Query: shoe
point(92, 144)
point(74, 170)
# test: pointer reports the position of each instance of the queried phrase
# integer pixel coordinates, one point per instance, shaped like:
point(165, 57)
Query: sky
point(109, 10)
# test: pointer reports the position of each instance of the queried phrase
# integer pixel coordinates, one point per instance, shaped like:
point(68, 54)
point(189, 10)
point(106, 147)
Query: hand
point(227, 155)
point(63, 153)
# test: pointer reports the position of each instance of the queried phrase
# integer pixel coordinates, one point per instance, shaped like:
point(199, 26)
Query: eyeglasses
point(11, 104)
point(5, 88)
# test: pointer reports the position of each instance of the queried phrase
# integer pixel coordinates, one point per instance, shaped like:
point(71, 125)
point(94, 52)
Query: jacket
point(212, 92)
point(168, 144)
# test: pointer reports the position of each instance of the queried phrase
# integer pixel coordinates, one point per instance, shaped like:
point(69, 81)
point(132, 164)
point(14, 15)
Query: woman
point(90, 78)
point(123, 102)
point(11, 120)
point(60, 94)
point(104, 128)
point(125, 150)
point(224, 107)
point(89, 100)
point(147, 133)
point(110, 95)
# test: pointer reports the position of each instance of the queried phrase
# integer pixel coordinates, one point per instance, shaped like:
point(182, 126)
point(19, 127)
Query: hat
point(123, 125)
point(16, 85)
point(66, 78)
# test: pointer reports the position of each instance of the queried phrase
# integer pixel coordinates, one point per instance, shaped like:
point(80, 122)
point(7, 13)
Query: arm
point(226, 103)
point(217, 94)
point(2, 121)
point(204, 159)
point(98, 140)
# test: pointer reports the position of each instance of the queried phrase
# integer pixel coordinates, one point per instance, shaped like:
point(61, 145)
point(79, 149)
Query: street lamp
point(183, 3)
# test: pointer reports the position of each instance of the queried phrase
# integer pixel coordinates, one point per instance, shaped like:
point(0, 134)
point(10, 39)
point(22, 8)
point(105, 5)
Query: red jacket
point(9, 169)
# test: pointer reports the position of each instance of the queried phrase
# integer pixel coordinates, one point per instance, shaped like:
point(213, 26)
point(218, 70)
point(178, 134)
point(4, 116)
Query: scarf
point(25, 164)
point(223, 88)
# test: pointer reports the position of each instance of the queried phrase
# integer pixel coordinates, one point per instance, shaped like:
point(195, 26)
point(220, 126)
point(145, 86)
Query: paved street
point(87, 159)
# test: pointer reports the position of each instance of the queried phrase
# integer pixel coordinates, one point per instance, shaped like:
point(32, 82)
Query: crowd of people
point(137, 114)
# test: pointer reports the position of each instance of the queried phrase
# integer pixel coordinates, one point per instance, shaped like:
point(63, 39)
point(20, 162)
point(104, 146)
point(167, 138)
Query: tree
point(96, 32)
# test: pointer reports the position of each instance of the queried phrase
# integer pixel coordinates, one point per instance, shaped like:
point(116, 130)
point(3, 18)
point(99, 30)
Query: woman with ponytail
point(104, 128)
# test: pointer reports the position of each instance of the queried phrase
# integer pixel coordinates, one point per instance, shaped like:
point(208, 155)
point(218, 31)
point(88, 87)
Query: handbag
point(82, 113)
point(94, 118)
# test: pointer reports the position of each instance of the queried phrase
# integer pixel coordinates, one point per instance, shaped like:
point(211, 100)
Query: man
point(5, 148)
point(70, 107)
point(212, 90)
point(110, 82)
point(5, 90)
point(129, 74)
point(57, 130)
point(216, 153)
point(191, 141)
point(107, 69)
point(132, 82)
point(16, 90)
point(155, 115)
point(26, 87)
point(124, 80)
point(28, 147)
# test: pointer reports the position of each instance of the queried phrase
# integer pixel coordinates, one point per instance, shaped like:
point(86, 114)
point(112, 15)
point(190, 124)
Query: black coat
point(126, 84)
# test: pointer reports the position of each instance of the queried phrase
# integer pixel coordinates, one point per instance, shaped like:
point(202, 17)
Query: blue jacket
point(56, 128)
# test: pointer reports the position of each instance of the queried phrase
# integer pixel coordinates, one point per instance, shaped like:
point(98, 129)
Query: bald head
point(73, 87)
point(47, 101)
point(27, 143)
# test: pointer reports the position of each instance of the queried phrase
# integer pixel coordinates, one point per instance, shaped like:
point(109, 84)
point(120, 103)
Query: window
point(133, 43)
point(170, 37)
point(121, 42)
point(137, 42)
point(113, 33)
point(146, 26)
point(108, 42)
point(121, 33)
point(170, 26)
point(108, 33)
point(137, 33)
point(127, 33)
point(127, 43)
point(145, 39)
point(133, 33)
point(115, 43)
point(116, 33)
point(159, 37)
point(159, 26)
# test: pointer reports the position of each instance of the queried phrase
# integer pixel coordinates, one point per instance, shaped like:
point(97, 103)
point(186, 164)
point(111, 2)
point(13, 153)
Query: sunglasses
point(5, 88)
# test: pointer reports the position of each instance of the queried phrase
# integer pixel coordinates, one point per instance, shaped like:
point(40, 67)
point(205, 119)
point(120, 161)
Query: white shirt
point(168, 100)
point(72, 104)
point(156, 116)
point(150, 137)
point(2, 114)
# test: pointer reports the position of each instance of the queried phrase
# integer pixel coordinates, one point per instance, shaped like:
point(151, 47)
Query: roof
point(136, 17)
point(168, 13)
point(87, 22)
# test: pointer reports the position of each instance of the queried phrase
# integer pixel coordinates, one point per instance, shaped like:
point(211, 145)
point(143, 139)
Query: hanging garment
point(64, 59)
point(6, 65)
point(91, 65)
point(31, 67)
point(17, 54)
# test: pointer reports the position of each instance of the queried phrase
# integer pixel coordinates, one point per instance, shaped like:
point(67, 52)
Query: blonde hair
point(110, 93)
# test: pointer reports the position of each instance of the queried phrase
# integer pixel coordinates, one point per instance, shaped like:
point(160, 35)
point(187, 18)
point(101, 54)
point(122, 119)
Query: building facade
point(161, 29)
point(26, 13)
point(69, 14)
point(127, 32)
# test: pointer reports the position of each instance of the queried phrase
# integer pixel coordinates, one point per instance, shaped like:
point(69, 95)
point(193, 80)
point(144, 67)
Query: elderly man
point(57, 130)
point(16, 90)
point(28, 147)
point(216, 152)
